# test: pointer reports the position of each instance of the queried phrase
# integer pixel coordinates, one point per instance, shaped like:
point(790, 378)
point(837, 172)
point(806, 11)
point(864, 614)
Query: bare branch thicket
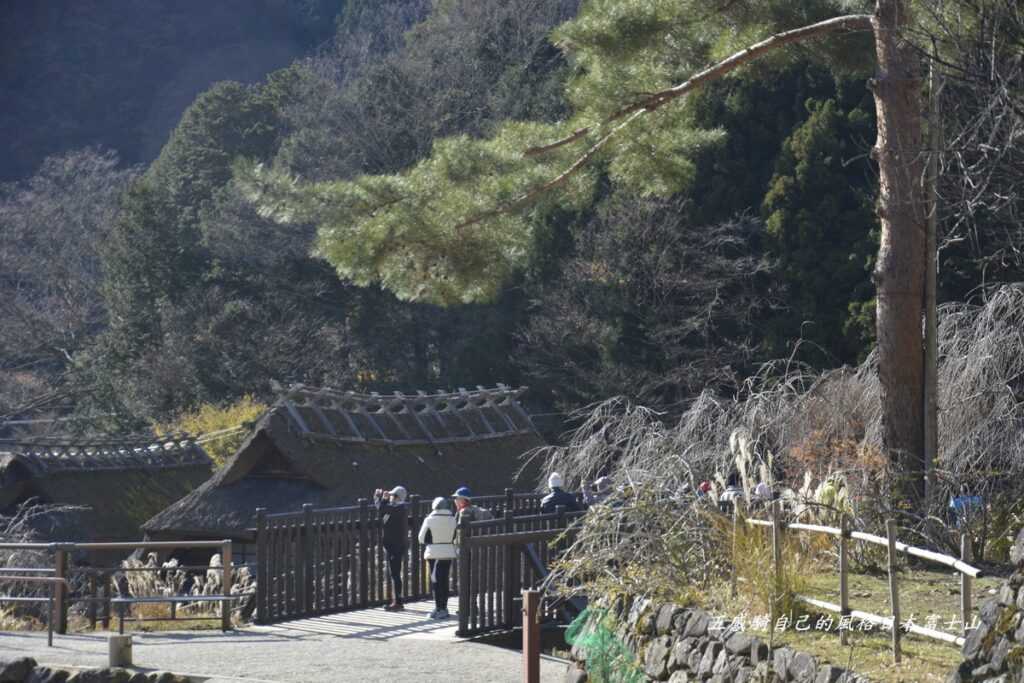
point(646, 284)
point(797, 427)
point(50, 226)
point(29, 523)
point(977, 50)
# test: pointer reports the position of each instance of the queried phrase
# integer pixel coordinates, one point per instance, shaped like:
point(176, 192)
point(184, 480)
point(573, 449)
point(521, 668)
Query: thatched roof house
point(330, 448)
point(113, 486)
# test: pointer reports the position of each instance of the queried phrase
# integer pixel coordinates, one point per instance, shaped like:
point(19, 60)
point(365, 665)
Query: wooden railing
point(55, 585)
point(321, 561)
point(61, 576)
point(498, 559)
point(895, 547)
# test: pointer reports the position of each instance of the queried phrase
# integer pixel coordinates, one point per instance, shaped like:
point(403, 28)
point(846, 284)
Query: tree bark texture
point(900, 269)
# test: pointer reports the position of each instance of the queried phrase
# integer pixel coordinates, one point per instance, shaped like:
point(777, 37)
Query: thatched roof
point(331, 448)
point(118, 484)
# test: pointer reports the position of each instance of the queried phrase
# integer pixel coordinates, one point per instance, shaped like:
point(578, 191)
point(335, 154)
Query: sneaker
point(433, 615)
point(442, 614)
point(394, 607)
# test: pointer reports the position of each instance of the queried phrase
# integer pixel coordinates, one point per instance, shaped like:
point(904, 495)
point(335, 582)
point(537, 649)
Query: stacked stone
point(995, 650)
point(676, 645)
point(26, 670)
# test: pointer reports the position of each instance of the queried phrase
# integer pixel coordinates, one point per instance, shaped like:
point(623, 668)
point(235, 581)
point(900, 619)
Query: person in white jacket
point(438, 535)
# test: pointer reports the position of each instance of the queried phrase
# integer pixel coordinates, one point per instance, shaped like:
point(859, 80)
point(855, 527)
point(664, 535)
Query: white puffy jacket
point(440, 524)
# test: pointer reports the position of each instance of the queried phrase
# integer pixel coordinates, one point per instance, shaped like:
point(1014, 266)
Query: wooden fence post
point(364, 555)
point(465, 596)
point(735, 531)
point(776, 560)
point(60, 591)
point(507, 574)
point(844, 568)
point(415, 568)
point(108, 590)
point(262, 575)
point(93, 595)
point(531, 637)
point(308, 568)
point(966, 555)
point(226, 581)
point(894, 595)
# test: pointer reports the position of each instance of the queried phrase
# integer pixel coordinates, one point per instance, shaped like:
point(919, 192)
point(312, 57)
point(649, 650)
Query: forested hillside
point(76, 74)
point(140, 282)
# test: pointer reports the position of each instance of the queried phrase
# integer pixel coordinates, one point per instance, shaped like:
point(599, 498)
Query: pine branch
point(851, 22)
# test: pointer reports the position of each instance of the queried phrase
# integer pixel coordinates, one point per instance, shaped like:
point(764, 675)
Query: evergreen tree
point(820, 224)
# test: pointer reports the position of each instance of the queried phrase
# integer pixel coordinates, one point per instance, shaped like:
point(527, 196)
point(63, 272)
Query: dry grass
point(922, 593)
point(752, 549)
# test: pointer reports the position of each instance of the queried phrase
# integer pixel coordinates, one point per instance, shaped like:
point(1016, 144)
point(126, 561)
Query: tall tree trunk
point(900, 269)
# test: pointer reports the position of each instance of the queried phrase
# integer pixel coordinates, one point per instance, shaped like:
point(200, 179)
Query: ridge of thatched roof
point(47, 456)
point(120, 483)
point(419, 418)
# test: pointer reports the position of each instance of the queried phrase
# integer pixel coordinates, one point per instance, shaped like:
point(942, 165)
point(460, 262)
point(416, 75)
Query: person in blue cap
point(465, 509)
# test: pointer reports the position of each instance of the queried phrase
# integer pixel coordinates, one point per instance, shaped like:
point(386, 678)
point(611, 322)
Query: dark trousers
point(439, 571)
point(395, 558)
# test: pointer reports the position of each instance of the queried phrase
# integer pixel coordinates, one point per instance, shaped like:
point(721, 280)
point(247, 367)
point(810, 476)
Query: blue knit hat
point(463, 492)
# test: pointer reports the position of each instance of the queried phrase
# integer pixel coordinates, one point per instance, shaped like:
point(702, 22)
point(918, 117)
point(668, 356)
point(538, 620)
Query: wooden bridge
point(322, 562)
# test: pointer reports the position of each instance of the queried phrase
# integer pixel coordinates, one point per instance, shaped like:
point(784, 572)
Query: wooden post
point(262, 575)
point(735, 531)
point(226, 579)
point(508, 589)
point(51, 616)
point(844, 568)
point(308, 568)
point(894, 595)
point(107, 590)
point(415, 554)
point(776, 560)
point(510, 500)
point(966, 555)
point(531, 637)
point(931, 354)
point(93, 595)
point(364, 555)
point(60, 593)
point(465, 596)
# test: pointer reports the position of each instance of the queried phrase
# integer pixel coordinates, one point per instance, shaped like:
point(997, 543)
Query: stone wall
point(995, 650)
point(26, 670)
point(675, 644)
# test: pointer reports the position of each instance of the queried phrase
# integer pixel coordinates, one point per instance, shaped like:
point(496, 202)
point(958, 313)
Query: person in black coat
point(558, 496)
point(394, 519)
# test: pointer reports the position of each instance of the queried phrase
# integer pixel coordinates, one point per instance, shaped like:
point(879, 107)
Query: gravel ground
point(279, 656)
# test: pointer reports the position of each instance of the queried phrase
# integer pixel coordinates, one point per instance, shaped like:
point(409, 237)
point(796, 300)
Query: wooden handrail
point(894, 546)
point(939, 558)
point(34, 579)
point(55, 583)
point(799, 526)
point(137, 545)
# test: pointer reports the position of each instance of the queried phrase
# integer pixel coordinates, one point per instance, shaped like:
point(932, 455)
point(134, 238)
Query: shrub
point(230, 424)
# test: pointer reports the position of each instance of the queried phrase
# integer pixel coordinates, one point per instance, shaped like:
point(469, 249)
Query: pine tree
point(456, 225)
